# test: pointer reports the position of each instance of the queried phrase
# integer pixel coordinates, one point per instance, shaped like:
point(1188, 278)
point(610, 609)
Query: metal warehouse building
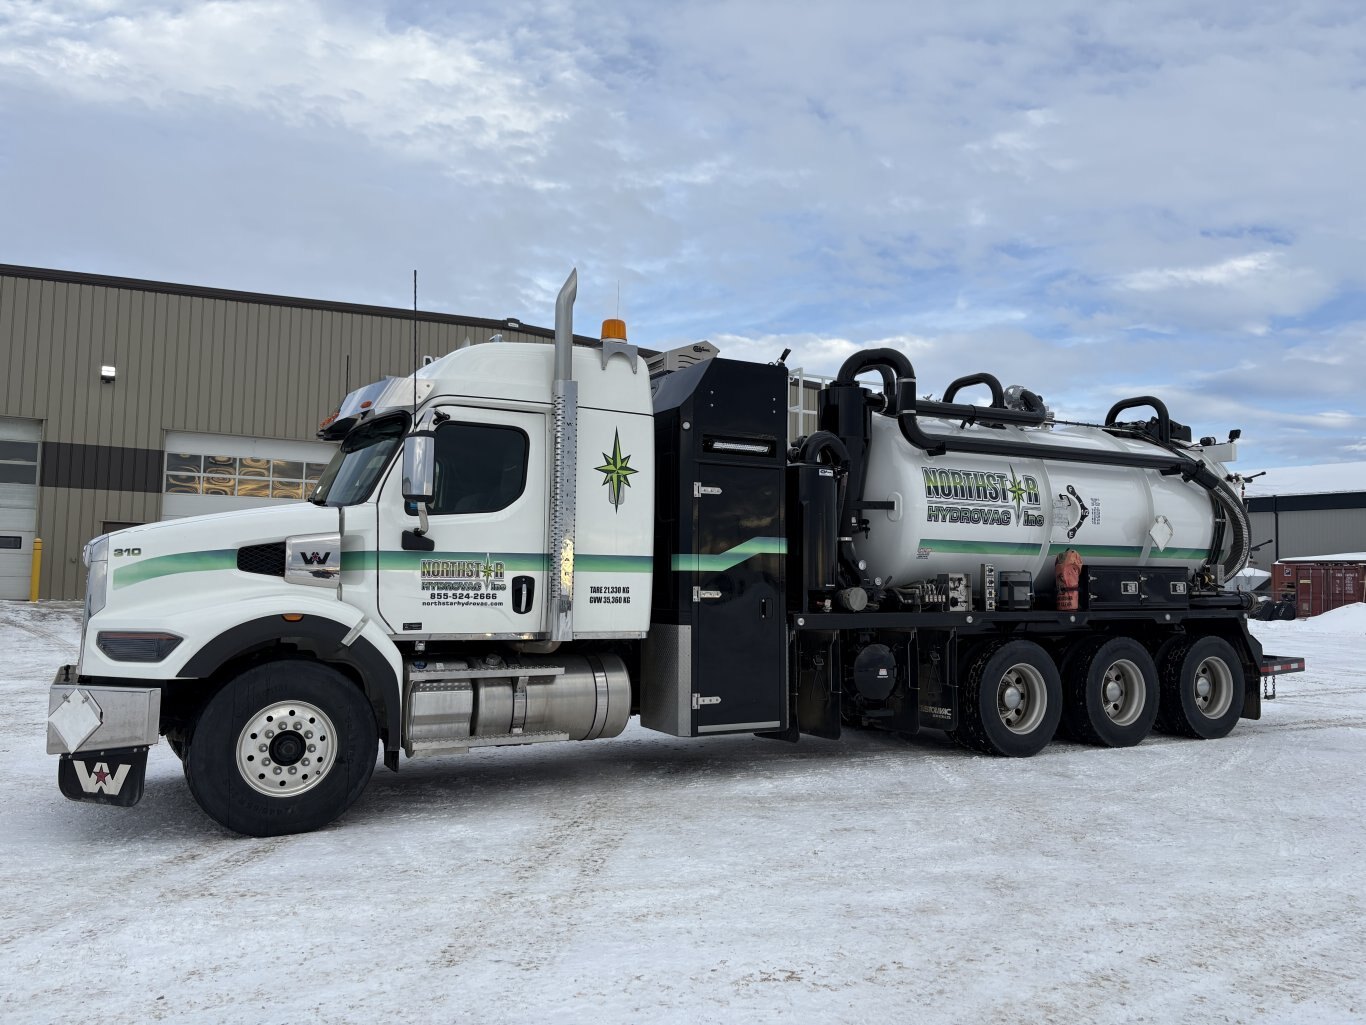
point(1308, 510)
point(125, 401)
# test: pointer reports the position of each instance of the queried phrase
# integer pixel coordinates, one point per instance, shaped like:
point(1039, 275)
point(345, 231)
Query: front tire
point(286, 747)
point(1011, 700)
point(1202, 689)
point(1111, 692)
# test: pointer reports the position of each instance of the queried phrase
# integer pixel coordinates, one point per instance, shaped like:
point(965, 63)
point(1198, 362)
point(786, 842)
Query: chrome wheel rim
point(286, 748)
point(1213, 687)
point(1021, 699)
point(1122, 694)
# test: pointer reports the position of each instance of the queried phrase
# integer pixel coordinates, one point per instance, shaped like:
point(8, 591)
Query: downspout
point(565, 408)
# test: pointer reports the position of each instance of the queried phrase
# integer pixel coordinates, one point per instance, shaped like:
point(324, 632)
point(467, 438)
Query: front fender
point(215, 637)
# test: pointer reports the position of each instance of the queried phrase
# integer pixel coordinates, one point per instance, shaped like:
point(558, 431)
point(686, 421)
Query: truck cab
point(426, 613)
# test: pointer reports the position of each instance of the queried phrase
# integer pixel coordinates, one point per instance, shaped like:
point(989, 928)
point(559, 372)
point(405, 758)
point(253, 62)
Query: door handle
point(523, 590)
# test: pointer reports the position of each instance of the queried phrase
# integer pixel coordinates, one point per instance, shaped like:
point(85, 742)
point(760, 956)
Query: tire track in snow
point(553, 882)
point(192, 872)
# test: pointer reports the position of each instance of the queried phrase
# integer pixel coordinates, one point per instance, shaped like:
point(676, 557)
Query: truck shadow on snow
point(639, 763)
point(633, 763)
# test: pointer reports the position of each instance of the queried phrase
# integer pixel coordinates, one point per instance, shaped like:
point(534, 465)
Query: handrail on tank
point(899, 387)
point(1167, 461)
point(1164, 422)
point(998, 395)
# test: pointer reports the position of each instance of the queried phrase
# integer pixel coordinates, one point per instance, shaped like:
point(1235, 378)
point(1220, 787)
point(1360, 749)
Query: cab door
point(480, 570)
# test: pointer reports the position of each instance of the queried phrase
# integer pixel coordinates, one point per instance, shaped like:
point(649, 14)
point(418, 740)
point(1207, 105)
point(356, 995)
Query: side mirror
point(419, 467)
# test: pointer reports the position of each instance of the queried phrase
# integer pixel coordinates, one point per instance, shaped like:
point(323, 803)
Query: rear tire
point(286, 747)
point(1010, 700)
point(1202, 689)
point(1110, 692)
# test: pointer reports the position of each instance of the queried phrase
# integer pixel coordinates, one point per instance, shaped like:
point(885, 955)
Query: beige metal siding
point(198, 363)
point(70, 517)
point(1308, 532)
point(192, 363)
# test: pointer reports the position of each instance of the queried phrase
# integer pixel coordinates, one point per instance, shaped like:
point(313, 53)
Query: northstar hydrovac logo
point(616, 471)
point(978, 497)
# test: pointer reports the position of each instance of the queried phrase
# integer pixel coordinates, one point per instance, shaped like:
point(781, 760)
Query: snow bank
point(1350, 619)
point(708, 882)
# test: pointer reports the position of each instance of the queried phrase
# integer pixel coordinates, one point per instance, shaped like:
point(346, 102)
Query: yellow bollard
point(37, 567)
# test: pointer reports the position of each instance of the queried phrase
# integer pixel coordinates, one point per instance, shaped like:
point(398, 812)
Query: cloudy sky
point(1093, 199)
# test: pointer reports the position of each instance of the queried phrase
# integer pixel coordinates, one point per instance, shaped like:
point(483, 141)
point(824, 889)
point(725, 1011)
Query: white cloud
point(298, 62)
point(1093, 199)
point(1236, 270)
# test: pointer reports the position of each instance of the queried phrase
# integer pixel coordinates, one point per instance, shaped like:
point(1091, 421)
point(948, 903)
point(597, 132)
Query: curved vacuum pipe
point(902, 403)
point(998, 395)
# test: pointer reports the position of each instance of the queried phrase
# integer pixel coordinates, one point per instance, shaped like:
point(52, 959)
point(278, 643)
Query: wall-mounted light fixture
point(107, 374)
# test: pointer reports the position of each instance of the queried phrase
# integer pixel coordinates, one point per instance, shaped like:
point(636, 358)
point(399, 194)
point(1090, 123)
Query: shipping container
point(1319, 587)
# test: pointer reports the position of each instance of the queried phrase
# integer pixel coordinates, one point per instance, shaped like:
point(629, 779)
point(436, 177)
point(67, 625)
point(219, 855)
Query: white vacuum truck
point(521, 544)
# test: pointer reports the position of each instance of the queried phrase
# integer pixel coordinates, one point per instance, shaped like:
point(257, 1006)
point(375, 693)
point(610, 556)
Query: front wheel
point(1011, 700)
point(286, 747)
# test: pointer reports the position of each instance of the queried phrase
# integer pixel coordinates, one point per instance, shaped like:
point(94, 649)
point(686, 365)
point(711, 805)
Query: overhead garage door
point(208, 473)
point(19, 441)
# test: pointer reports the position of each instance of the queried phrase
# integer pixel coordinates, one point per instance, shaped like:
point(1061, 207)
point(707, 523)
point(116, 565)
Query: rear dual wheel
point(1111, 692)
point(1203, 689)
point(1011, 700)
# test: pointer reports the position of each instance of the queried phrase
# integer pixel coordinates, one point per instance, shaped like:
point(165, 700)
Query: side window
point(479, 468)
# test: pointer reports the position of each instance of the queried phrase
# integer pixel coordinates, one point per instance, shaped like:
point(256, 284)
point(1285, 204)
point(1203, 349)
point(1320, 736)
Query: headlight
point(96, 557)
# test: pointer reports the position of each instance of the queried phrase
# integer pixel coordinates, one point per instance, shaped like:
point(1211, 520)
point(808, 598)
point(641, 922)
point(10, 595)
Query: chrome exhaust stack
point(560, 592)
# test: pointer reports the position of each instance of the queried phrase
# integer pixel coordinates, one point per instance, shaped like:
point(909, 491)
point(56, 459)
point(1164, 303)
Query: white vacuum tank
point(951, 513)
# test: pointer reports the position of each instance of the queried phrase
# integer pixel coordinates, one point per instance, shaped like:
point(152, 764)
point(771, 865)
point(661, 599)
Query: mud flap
point(114, 776)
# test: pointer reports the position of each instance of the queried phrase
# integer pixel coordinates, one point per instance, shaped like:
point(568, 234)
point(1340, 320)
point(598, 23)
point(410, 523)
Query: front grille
point(268, 560)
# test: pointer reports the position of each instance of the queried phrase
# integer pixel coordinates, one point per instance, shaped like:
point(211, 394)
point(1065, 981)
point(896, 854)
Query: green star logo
point(616, 471)
point(487, 569)
point(1017, 490)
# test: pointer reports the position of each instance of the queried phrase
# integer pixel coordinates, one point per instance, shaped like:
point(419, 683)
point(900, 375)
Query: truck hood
point(228, 529)
point(200, 544)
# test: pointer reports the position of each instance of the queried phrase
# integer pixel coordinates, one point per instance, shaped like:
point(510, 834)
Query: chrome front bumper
point(86, 718)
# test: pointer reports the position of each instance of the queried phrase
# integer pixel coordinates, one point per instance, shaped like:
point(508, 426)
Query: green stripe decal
point(941, 546)
point(1099, 551)
point(513, 562)
point(945, 547)
point(613, 564)
point(1130, 552)
point(166, 565)
point(699, 562)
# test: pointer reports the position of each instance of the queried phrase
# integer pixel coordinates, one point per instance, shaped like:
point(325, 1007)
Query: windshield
point(360, 461)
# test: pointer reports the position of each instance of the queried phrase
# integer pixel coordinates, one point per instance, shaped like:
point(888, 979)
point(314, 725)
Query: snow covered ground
point(649, 879)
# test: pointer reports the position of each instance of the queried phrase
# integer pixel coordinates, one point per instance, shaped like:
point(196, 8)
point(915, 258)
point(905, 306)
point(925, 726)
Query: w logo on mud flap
point(101, 780)
point(314, 558)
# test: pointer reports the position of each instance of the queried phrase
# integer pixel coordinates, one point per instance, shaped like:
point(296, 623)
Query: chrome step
point(463, 744)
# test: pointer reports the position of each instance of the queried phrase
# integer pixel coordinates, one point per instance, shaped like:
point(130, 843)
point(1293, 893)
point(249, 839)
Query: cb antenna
point(415, 345)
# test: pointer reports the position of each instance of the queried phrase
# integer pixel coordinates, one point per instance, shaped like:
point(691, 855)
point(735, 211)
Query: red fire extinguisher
point(1067, 574)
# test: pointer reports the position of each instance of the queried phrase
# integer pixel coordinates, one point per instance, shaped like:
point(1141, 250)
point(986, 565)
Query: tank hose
point(811, 449)
point(1241, 548)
